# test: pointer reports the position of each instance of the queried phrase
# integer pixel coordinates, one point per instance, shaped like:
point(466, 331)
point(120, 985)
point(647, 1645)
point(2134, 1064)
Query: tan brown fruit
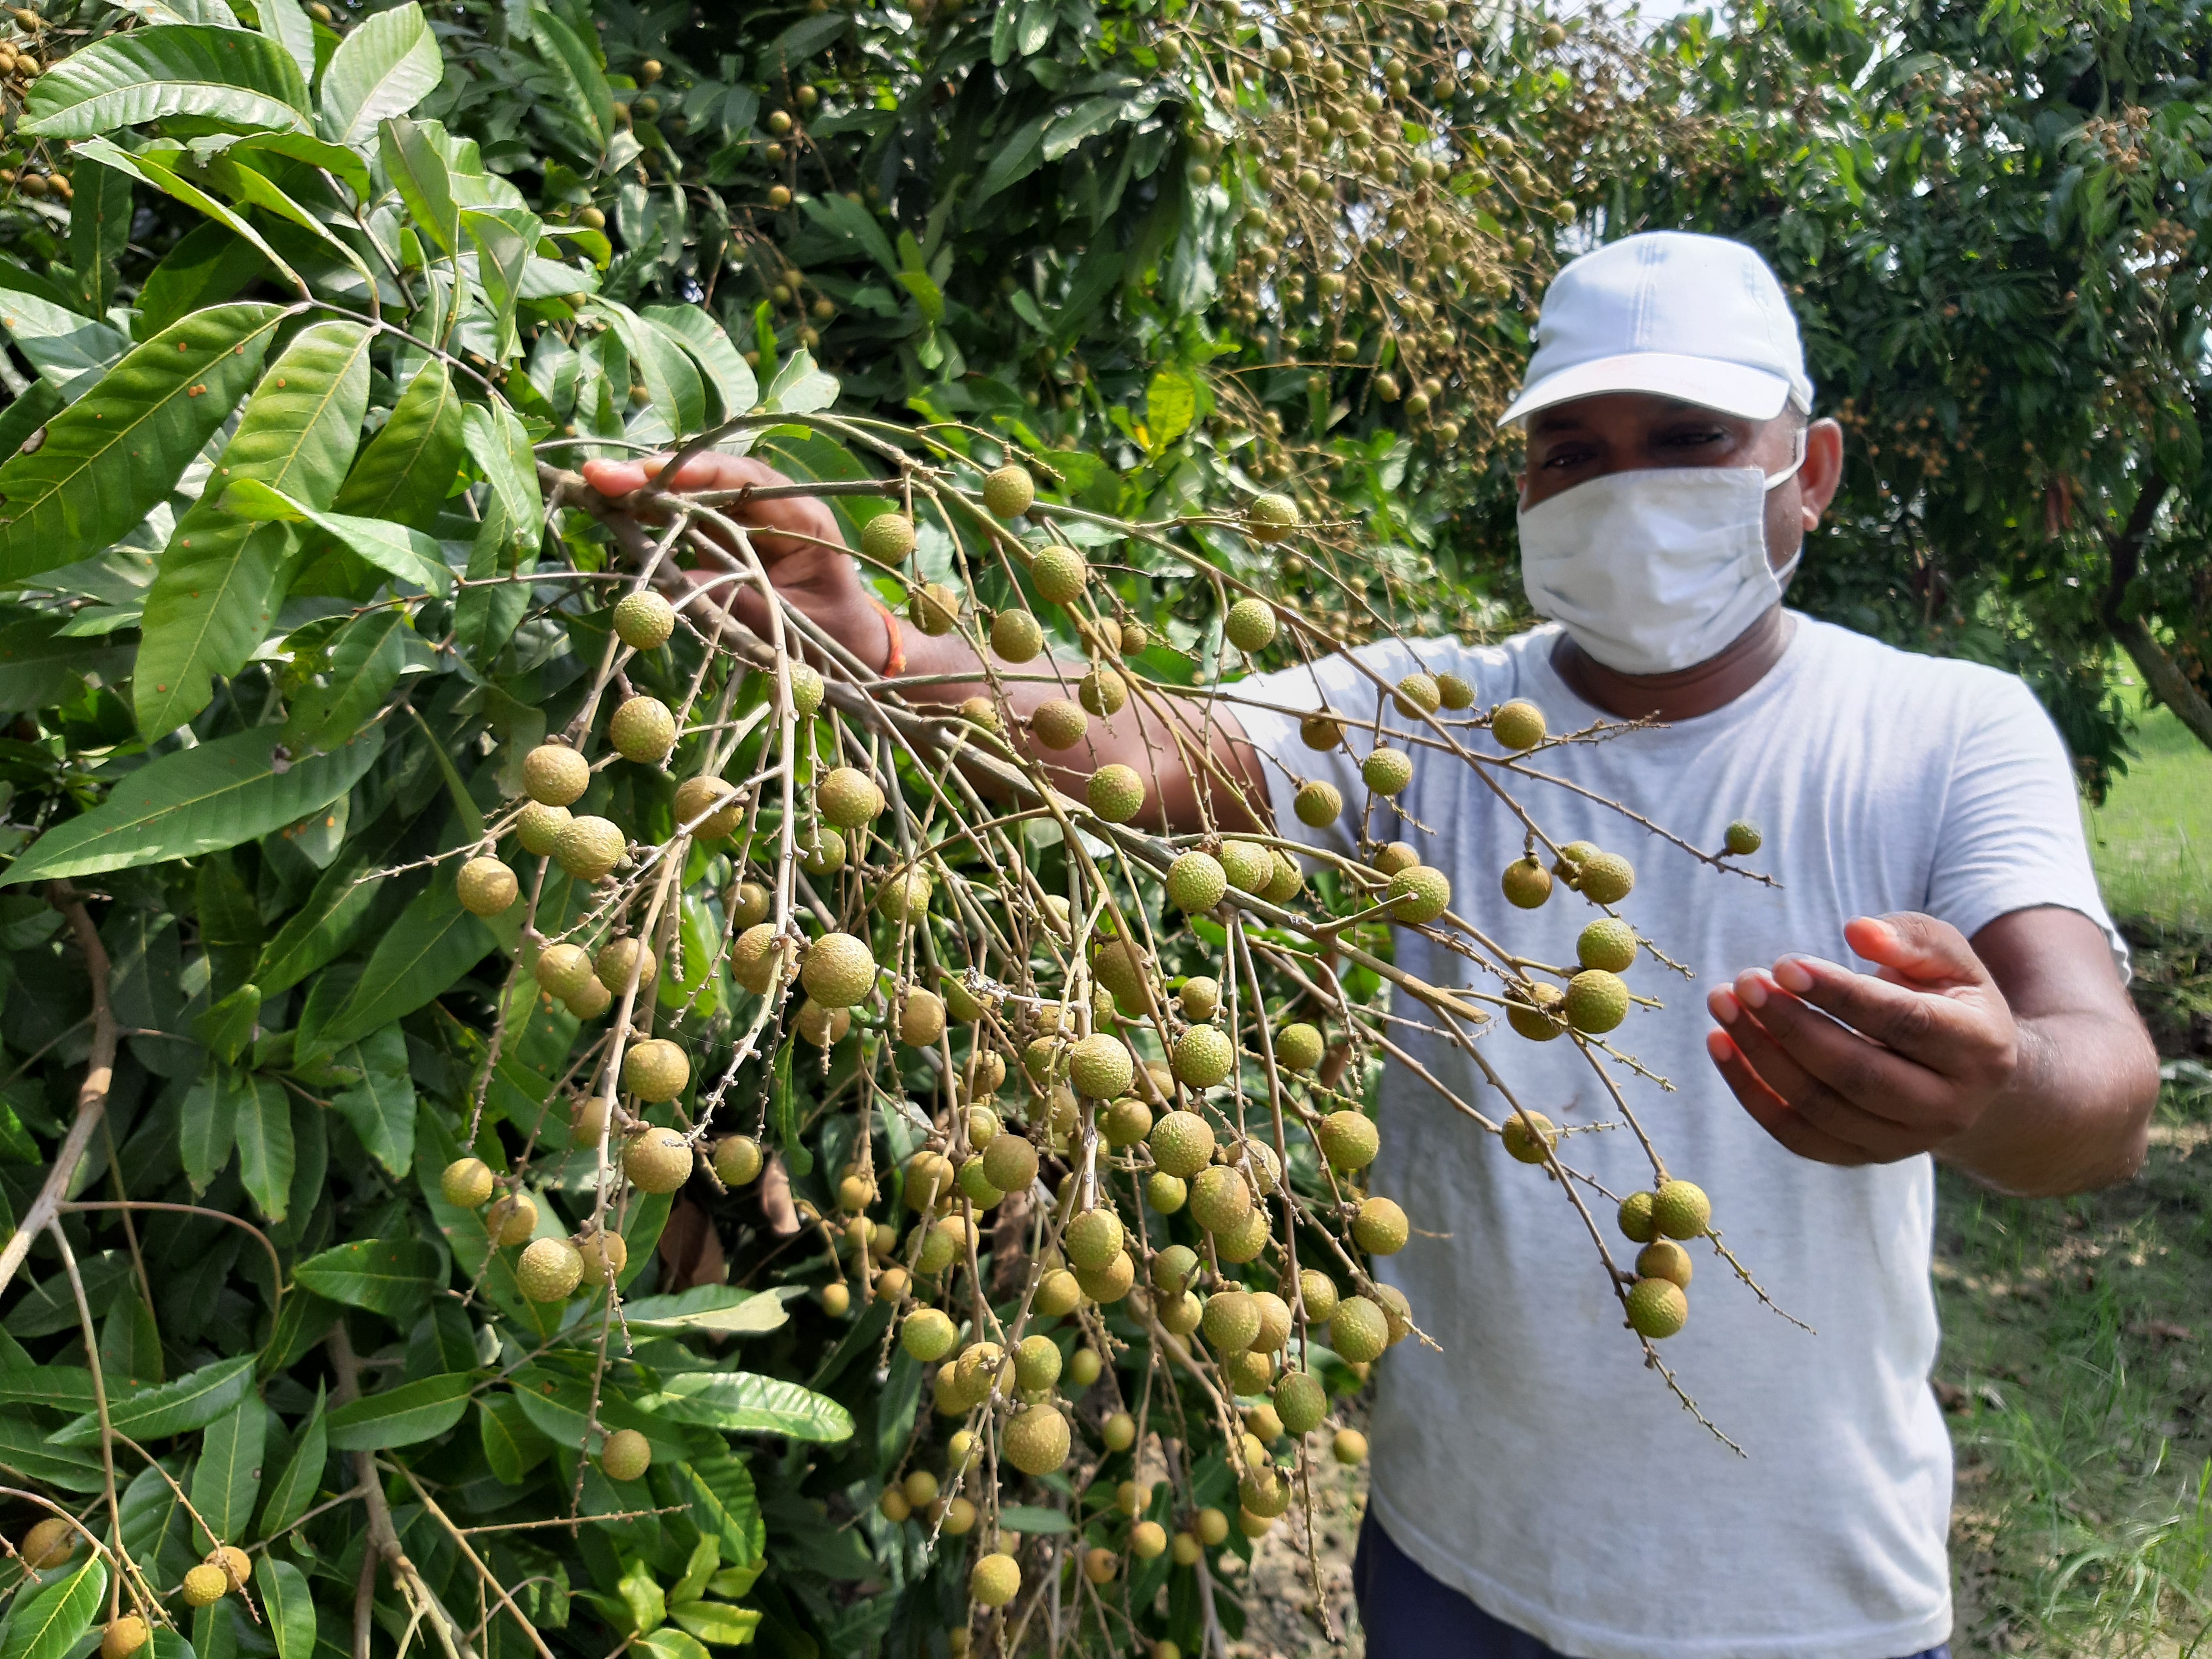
point(1607, 877)
point(605, 1256)
point(1059, 724)
point(643, 730)
point(994, 1580)
point(822, 1027)
point(1662, 1258)
point(934, 608)
point(511, 1220)
point(563, 969)
point(848, 797)
point(618, 958)
point(1010, 491)
point(556, 774)
point(658, 1161)
point(1320, 732)
point(840, 970)
point(538, 827)
point(588, 847)
point(466, 1183)
point(486, 887)
point(750, 905)
point(656, 1070)
point(1517, 725)
point(205, 1585)
point(1381, 1227)
point(721, 805)
point(123, 1637)
point(1527, 883)
point(48, 1544)
point(1102, 692)
point(755, 958)
point(549, 1269)
point(1015, 636)
point(920, 1019)
point(738, 1160)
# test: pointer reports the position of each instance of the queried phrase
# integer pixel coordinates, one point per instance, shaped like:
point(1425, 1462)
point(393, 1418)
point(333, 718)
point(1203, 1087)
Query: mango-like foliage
point(527, 1058)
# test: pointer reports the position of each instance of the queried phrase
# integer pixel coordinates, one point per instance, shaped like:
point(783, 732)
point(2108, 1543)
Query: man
point(1535, 1490)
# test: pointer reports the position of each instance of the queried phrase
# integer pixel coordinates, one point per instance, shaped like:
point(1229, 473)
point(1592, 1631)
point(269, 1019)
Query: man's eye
point(1564, 459)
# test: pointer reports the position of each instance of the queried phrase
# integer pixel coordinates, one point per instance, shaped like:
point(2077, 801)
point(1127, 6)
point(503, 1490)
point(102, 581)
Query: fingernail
point(1724, 1007)
point(1752, 990)
point(1790, 974)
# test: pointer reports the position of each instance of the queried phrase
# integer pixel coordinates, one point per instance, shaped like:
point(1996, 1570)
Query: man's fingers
point(1948, 1034)
point(1886, 1087)
point(1917, 946)
point(614, 477)
point(1770, 1111)
point(1872, 1132)
point(706, 471)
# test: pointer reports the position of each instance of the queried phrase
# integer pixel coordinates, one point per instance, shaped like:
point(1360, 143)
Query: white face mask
point(1652, 572)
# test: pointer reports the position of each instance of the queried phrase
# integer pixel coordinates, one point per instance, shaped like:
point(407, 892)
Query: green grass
point(2152, 840)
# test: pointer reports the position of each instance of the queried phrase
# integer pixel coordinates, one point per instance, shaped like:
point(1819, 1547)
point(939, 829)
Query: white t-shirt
point(1535, 1465)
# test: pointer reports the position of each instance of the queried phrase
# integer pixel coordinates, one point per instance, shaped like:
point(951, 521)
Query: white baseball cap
point(1698, 317)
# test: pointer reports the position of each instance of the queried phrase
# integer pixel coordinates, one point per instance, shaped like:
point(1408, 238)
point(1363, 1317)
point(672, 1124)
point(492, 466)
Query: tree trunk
point(2159, 671)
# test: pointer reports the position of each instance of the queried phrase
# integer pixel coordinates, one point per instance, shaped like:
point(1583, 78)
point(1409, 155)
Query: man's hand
point(796, 536)
point(1869, 1068)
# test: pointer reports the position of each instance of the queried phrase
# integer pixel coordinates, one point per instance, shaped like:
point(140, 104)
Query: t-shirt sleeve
point(2011, 835)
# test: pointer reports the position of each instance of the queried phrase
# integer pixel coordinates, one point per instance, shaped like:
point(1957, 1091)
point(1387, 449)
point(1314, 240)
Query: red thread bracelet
point(894, 664)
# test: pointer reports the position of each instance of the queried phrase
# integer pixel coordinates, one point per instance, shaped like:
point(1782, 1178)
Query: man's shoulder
point(1841, 656)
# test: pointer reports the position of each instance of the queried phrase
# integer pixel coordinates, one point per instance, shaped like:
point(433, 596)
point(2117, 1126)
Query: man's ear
point(1823, 471)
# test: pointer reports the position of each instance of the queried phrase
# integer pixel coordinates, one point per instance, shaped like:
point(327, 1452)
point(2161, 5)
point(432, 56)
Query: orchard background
point(1238, 291)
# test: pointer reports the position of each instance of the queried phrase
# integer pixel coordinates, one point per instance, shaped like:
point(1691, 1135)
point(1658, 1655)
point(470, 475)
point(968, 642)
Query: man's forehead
point(1600, 408)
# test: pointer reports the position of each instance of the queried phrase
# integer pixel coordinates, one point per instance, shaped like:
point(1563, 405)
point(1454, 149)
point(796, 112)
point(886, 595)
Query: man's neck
point(1686, 693)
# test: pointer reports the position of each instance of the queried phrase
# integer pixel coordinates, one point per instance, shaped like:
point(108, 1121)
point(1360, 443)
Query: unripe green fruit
point(1250, 626)
point(1596, 1001)
point(1231, 1323)
point(1568, 866)
point(1271, 518)
point(1283, 886)
point(1264, 1492)
point(1057, 1293)
point(1182, 1144)
point(805, 690)
point(1318, 804)
point(1219, 1200)
point(1349, 1140)
point(1009, 1163)
point(1380, 1228)
point(1245, 1240)
point(205, 1585)
point(1059, 723)
point(644, 620)
point(563, 969)
point(555, 774)
point(827, 855)
point(1517, 725)
point(642, 729)
point(1358, 1331)
point(1125, 1122)
point(1349, 1447)
point(590, 1001)
point(1417, 695)
point(1165, 1193)
point(1387, 770)
point(1396, 856)
point(1318, 1291)
point(1036, 1363)
point(605, 1255)
point(1148, 1540)
point(1681, 1210)
point(1248, 865)
point(1107, 1284)
point(1041, 1058)
point(617, 960)
point(1301, 1403)
point(738, 1160)
point(1634, 1218)
point(994, 1581)
point(748, 903)
point(1061, 574)
point(1201, 996)
point(1319, 732)
point(1663, 1258)
point(657, 1161)
point(1180, 1313)
point(1607, 878)
point(1103, 692)
point(466, 1184)
point(486, 887)
point(589, 847)
point(1196, 882)
point(1607, 943)
point(934, 608)
point(920, 1019)
point(1093, 1239)
point(1453, 692)
point(1529, 1136)
point(928, 1334)
point(548, 1269)
point(1743, 838)
point(839, 971)
point(1527, 883)
point(1656, 1308)
point(1203, 1056)
point(888, 538)
point(1120, 967)
point(1010, 491)
point(1100, 1067)
point(626, 1456)
point(710, 806)
point(1419, 896)
point(1299, 1047)
point(1175, 1269)
point(1116, 792)
point(905, 897)
point(755, 958)
point(538, 827)
point(822, 1027)
point(848, 797)
point(656, 1070)
point(511, 1220)
point(1016, 635)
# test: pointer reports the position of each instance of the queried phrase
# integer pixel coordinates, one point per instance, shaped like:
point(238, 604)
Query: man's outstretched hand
point(796, 536)
point(1846, 1067)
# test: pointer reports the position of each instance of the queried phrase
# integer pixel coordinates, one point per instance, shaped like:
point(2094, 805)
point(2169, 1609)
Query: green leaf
point(111, 457)
point(416, 168)
point(427, 950)
point(511, 1445)
point(485, 617)
point(182, 69)
point(292, 1491)
point(209, 263)
point(573, 62)
point(192, 1401)
point(1033, 1518)
point(210, 607)
point(155, 173)
point(264, 1146)
point(391, 1276)
point(37, 664)
point(46, 1626)
point(227, 1478)
point(404, 471)
point(500, 446)
point(401, 1416)
point(728, 376)
point(723, 1308)
point(503, 238)
point(290, 1606)
point(130, 1343)
point(69, 349)
point(720, 1490)
point(851, 221)
point(381, 1105)
point(391, 548)
point(230, 924)
point(230, 790)
point(664, 366)
point(1020, 156)
point(323, 927)
point(1171, 405)
point(666, 1644)
point(365, 661)
point(208, 1125)
point(388, 63)
point(717, 1622)
point(284, 23)
point(740, 1402)
point(24, 1452)
point(227, 1028)
point(100, 229)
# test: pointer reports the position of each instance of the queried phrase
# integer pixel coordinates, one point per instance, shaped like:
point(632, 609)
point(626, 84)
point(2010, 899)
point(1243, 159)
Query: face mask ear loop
point(1782, 576)
point(1792, 471)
